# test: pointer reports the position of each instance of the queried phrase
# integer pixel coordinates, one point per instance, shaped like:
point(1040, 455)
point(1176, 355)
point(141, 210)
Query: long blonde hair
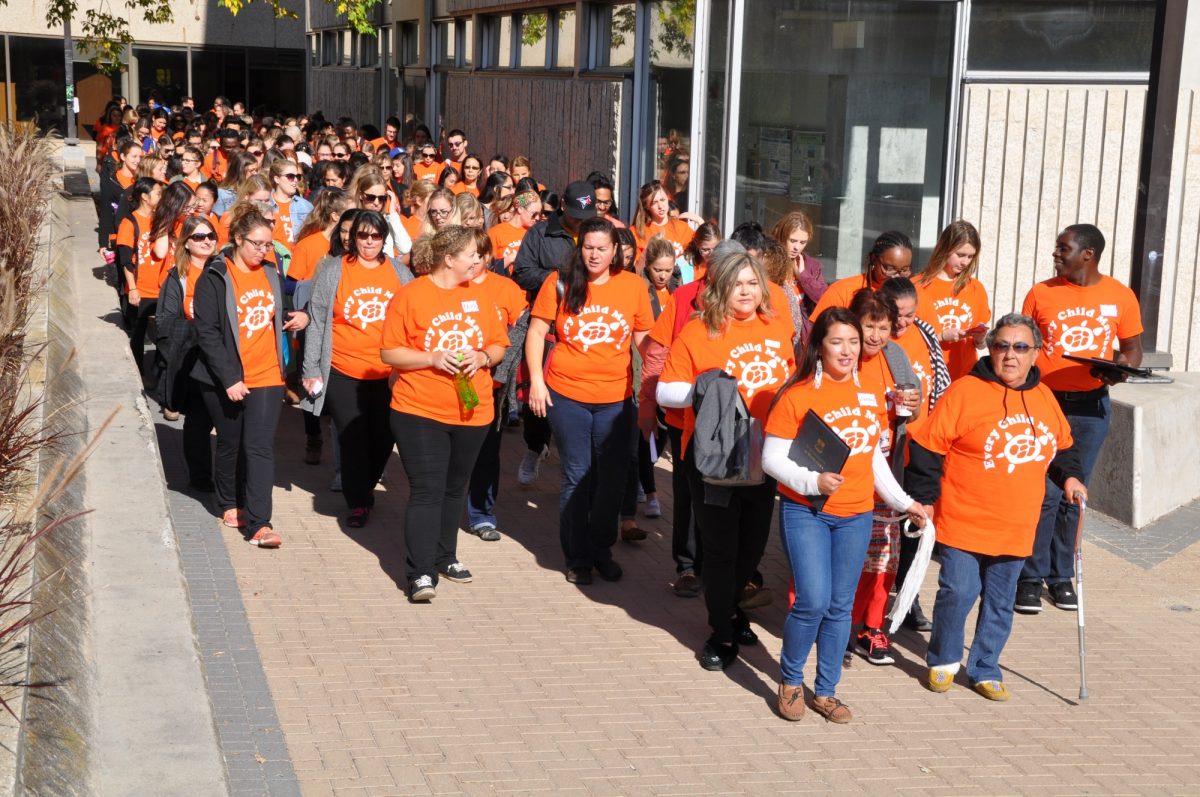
point(719, 284)
point(182, 259)
point(956, 234)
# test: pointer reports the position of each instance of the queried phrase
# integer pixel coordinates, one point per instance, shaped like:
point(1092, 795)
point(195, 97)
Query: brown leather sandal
point(832, 709)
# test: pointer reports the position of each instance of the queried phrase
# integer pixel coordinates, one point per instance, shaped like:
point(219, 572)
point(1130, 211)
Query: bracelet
point(487, 357)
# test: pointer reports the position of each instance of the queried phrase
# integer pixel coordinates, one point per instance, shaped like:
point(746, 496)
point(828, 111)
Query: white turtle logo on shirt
point(596, 325)
point(1080, 330)
point(763, 369)
point(863, 426)
point(453, 331)
point(1021, 440)
point(255, 316)
point(366, 306)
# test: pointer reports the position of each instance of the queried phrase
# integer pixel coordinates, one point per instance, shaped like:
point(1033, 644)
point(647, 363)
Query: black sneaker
point(456, 571)
point(1029, 597)
point(742, 633)
point(873, 645)
point(916, 619)
point(579, 575)
point(716, 656)
point(609, 570)
point(1063, 596)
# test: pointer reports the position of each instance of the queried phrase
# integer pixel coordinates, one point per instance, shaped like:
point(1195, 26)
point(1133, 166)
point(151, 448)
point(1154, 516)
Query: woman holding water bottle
point(441, 336)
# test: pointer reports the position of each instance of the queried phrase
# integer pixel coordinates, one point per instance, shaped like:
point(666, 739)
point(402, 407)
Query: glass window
point(1061, 36)
point(409, 48)
point(444, 33)
point(314, 49)
point(276, 78)
point(413, 104)
point(328, 48)
point(844, 120)
point(162, 75)
point(533, 39)
point(368, 50)
point(38, 81)
point(468, 42)
point(504, 43)
point(714, 123)
point(218, 72)
point(614, 35)
point(566, 39)
point(670, 95)
point(346, 48)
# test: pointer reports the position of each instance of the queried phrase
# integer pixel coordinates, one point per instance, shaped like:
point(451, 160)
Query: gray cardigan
point(318, 338)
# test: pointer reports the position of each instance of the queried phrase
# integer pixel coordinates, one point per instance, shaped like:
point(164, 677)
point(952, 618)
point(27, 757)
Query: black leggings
point(197, 427)
point(438, 459)
point(361, 417)
point(245, 429)
point(137, 337)
point(535, 430)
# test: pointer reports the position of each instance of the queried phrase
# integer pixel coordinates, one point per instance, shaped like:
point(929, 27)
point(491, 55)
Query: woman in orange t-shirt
point(951, 300)
point(826, 545)
point(240, 370)
point(135, 254)
point(740, 333)
point(472, 174)
point(313, 240)
point(507, 235)
point(441, 337)
point(653, 218)
point(195, 245)
point(586, 390)
point(350, 300)
point(890, 256)
point(983, 460)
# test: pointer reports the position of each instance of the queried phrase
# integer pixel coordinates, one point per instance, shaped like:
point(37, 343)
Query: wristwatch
point(487, 357)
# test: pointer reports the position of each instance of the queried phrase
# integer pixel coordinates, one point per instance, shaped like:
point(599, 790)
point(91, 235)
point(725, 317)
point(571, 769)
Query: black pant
point(137, 337)
point(197, 427)
point(438, 459)
point(246, 427)
point(535, 430)
point(361, 416)
point(734, 538)
point(641, 472)
point(686, 549)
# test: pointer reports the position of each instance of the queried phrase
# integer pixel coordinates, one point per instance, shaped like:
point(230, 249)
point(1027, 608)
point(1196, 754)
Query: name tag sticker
point(867, 400)
point(470, 306)
point(1108, 310)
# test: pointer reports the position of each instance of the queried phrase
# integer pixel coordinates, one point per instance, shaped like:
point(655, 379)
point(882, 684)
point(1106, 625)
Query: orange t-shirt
point(220, 228)
point(506, 239)
point(840, 293)
point(913, 343)
point(508, 299)
point(757, 352)
point(676, 231)
point(426, 317)
point(189, 290)
point(998, 444)
point(664, 296)
point(192, 182)
point(462, 188)
point(307, 254)
point(148, 269)
point(124, 179)
point(1082, 321)
point(359, 308)
point(256, 327)
point(283, 223)
point(214, 165)
point(431, 172)
point(412, 225)
point(938, 306)
point(592, 361)
point(858, 416)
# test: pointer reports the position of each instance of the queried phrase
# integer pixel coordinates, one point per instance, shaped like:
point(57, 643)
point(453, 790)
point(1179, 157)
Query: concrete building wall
point(198, 23)
point(1036, 158)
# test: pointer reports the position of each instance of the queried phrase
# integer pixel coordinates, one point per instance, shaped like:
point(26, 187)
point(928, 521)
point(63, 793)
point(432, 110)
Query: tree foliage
point(103, 32)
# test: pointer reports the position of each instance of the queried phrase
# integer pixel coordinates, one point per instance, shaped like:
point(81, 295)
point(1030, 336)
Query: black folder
point(818, 448)
point(1115, 369)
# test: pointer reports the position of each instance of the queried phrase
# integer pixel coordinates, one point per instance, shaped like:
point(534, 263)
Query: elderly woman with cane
point(983, 457)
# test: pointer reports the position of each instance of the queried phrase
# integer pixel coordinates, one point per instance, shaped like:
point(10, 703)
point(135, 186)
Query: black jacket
point(546, 247)
point(175, 343)
point(214, 309)
point(923, 476)
point(111, 196)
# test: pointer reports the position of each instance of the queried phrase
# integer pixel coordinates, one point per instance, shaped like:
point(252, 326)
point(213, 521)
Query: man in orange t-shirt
point(1083, 313)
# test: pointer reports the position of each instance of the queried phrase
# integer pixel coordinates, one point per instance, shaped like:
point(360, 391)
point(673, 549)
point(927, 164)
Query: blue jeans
point(964, 578)
point(826, 554)
point(485, 477)
point(1053, 557)
point(594, 447)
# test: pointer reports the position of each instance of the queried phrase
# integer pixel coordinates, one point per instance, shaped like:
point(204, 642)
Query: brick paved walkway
point(520, 682)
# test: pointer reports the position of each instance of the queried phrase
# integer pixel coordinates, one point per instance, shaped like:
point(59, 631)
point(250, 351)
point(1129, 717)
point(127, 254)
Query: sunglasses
point(201, 237)
point(254, 152)
point(290, 176)
point(1003, 346)
point(373, 198)
point(428, 154)
point(341, 154)
point(363, 235)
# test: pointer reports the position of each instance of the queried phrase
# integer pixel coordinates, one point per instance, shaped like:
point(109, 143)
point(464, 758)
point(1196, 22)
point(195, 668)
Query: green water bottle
point(468, 399)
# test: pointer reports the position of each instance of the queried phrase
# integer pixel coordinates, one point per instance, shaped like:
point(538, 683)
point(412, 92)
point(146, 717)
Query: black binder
point(1113, 369)
point(818, 448)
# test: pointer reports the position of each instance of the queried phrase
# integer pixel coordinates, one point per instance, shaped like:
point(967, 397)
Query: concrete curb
point(133, 712)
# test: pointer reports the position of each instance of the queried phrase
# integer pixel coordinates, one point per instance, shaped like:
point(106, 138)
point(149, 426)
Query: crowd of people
point(425, 298)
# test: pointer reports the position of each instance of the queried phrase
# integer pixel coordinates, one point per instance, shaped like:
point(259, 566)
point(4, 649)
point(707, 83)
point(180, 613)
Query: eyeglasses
point(441, 214)
point(255, 152)
point(1003, 346)
point(889, 271)
point(191, 160)
point(372, 198)
point(261, 246)
point(290, 176)
point(364, 235)
point(201, 237)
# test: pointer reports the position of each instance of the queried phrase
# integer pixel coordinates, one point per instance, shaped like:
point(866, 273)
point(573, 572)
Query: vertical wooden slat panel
point(993, 170)
point(1092, 130)
point(1008, 222)
point(1187, 320)
point(1131, 151)
point(1110, 176)
point(1027, 253)
point(974, 151)
point(1050, 210)
point(1072, 169)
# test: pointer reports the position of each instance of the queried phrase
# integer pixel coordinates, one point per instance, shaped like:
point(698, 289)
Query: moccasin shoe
point(992, 690)
point(791, 702)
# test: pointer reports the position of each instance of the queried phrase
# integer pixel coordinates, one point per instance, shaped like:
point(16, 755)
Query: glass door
point(840, 111)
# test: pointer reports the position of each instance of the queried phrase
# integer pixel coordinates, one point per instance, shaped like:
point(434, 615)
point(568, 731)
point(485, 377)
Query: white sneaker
point(531, 465)
point(652, 508)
